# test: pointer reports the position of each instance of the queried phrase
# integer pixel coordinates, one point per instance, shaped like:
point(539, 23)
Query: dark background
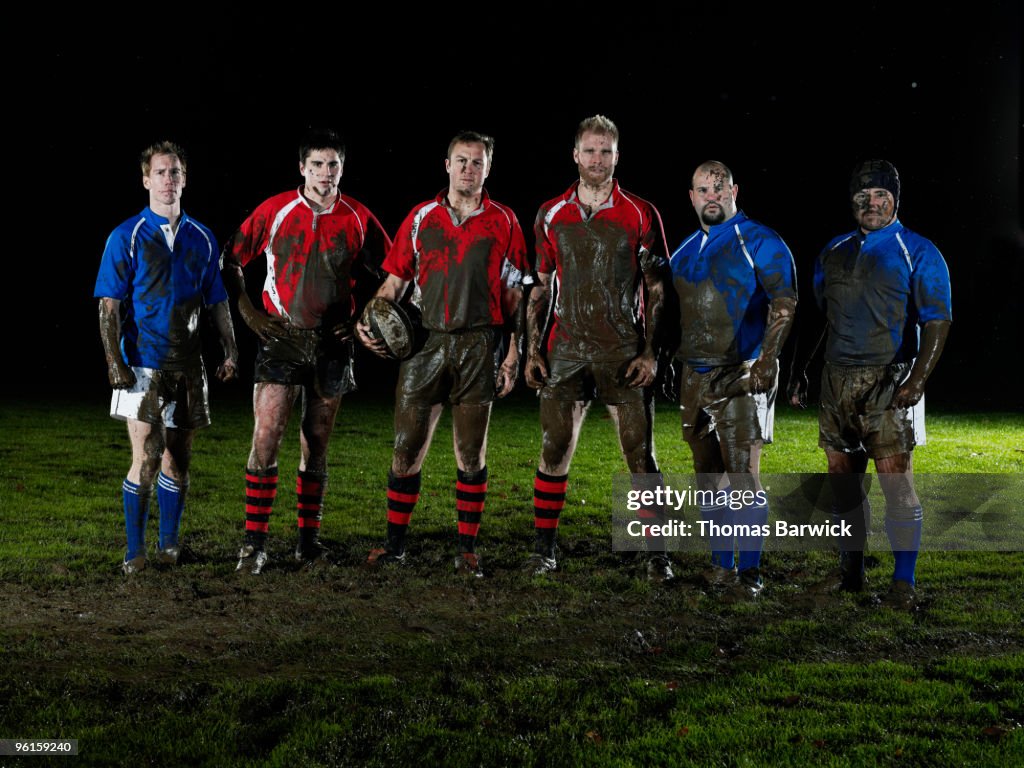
point(789, 102)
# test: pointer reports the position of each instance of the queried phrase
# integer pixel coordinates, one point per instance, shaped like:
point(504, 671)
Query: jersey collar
point(305, 202)
point(571, 196)
point(891, 229)
point(739, 218)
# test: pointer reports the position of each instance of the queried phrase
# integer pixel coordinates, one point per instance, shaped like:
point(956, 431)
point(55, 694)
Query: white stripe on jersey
point(362, 232)
point(415, 229)
point(743, 245)
point(840, 242)
point(551, 214)
point(270, 284)
point(906, 253)
point(135, 232)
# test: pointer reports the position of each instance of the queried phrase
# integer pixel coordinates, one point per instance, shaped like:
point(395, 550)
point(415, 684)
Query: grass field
point(592, 666)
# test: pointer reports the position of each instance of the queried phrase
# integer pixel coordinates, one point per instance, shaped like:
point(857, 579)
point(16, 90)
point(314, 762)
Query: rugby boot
point(134, 566)
point(538, 564)
point(716, 577)
point(468, 564)
point(251, 559)
point(749, 582)
point(309, 549)
point(659, 569)
point(168, 555)
point(543, 558)
point(384, 557)
point(901, 596)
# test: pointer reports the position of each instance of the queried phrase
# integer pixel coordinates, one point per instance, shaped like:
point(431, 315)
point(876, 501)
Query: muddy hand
point(375, 345)
point(344, 331)
point(120, 375)
point(908, 395)
point(641, 371)
point(798, 391)
point(536, 371)
point(263, 325)
point(506, 380)
point(762, 375)
point(228, 370)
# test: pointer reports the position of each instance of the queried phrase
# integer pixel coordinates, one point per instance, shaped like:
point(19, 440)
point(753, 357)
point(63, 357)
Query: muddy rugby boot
point(468, 564)
point(309, 549)
point(134, 566)
point(901, 596)
point(749, 583)
point(538, 564)
point(383, 557)
point(716, 577)
point(168, 555)
point(251, 559)
point(659, 569)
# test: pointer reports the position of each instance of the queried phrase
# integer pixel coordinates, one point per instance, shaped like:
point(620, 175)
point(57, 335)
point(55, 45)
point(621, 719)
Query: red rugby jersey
point(309, 255)
point(459, 269)
point(598, 263)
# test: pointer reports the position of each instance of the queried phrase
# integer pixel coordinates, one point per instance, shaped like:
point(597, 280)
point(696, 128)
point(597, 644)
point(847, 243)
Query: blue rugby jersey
point(161, 289)
point(725, 279)
point(875, 290)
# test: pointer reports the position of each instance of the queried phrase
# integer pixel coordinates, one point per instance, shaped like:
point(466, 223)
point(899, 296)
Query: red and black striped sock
point(650, 514)
point(470, 493)
point(260, 490)
point(309, 488)
point(403, 493)
point(548, 502)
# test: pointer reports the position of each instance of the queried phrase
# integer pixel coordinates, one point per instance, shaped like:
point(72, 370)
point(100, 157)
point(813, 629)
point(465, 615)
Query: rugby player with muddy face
point(736, 283)
point(600, 260)
point(462, 256)
point(311, 239)
point(885, 293)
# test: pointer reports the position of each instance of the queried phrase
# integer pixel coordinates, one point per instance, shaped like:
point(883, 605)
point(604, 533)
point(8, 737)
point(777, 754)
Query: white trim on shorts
point(125, 403)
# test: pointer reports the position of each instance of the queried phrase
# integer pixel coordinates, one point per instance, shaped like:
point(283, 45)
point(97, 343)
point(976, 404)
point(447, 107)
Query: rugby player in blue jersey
point(886, 297)
point(159, 269)
point(736, 284)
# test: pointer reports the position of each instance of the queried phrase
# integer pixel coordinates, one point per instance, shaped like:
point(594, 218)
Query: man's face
point(596, 156)
point(467, 168)
point(165, 181)
point(713, 197)
point(322, 171)
point(874, 208)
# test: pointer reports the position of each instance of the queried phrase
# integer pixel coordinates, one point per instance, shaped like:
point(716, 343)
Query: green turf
point(593, 666)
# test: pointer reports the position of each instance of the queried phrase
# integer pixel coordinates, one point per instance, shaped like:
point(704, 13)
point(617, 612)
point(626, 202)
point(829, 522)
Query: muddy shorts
point(175, 399)
point(457, 368)
point(856, 412)
point(574, 380)
point(714, 403)
point(306, 358)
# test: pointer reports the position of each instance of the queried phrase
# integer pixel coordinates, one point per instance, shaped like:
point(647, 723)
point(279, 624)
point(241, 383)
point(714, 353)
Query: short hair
point(161, 148)
point(598, 124)
point(472, 137)
point(320, 138)
point(709, 166)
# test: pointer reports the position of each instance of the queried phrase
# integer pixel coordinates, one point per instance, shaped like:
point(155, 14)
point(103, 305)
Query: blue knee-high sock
point(136, 513)
point(903, 527)
point(170, 495)
point(722, 553)
point(756, 516)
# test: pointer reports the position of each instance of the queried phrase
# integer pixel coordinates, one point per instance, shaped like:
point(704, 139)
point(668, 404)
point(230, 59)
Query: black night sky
point(789, 103)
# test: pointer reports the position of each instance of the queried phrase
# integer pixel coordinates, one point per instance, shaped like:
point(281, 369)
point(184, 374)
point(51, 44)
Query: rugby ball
point(390, 323)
